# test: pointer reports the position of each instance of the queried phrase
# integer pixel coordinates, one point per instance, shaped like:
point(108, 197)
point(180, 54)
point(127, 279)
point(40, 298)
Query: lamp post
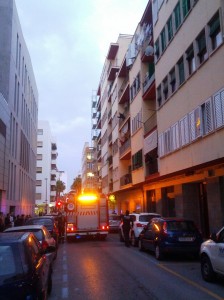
point(46, 196)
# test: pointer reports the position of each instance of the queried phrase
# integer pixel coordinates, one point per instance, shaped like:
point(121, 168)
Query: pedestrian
point(127, 225)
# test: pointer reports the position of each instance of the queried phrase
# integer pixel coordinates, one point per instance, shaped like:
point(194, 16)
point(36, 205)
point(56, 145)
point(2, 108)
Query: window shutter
point(192, 126)
point(219, 109)
point(208, 120)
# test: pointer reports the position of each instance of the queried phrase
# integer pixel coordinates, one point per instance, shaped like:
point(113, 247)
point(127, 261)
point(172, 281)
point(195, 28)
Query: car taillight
point(104, 227)
point(44, 245)
point(71, 227)
point(139, 225)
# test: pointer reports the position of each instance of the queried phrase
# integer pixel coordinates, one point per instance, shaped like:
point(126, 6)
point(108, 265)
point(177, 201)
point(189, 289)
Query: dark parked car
point(25, 271)
point(49, 222)
point(43, 236)
point(170, 235)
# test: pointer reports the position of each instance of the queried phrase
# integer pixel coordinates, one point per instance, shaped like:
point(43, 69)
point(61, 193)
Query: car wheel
point(158, 252)
point(140, 245)
point(207, 271)
point(133, 240)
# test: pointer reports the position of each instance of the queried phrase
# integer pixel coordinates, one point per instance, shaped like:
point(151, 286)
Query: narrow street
point(109, 270)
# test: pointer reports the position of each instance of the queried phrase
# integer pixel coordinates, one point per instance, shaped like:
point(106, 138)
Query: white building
point(18, 116)
point(46, 172)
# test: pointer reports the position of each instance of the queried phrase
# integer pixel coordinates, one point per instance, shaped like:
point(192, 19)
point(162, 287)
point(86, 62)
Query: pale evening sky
point(68, 41)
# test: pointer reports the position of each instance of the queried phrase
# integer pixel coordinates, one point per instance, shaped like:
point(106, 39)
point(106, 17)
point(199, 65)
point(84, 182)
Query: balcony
point(123, 93)
point(148, 86)
point(110, 160)
point(109, 116)
point(112, 73)
point(110, 138)
point(112, 52)
point(150, 124)
point(126, 179)
point(151, 163)
point(125, 149)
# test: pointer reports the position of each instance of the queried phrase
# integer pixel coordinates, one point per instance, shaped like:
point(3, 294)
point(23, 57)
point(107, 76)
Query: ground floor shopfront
point(197, 194)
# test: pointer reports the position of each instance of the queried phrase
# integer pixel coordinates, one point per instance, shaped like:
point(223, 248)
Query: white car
point(139, 221)
point(212, 256)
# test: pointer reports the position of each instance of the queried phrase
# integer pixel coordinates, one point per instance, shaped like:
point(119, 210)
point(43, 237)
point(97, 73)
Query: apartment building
point(89, 175)
point(46, 169)
point(160, 117)
point(18, 116)
point(189, 51)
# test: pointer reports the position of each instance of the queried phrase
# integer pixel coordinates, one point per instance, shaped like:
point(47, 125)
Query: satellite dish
point(149, 51)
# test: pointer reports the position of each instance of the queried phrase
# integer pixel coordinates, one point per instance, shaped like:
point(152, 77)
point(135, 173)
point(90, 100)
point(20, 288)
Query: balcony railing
point(126, 179)
point(125, 146)
point(150, 123)
point(148, 82)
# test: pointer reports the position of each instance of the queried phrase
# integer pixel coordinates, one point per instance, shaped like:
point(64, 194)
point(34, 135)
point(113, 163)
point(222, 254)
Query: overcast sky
point(68, 41)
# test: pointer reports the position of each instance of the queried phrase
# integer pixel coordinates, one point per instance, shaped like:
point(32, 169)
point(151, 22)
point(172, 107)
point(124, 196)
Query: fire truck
point(87, 216)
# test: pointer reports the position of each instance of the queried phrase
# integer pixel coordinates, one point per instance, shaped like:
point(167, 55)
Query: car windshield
point(181, 225)
point(116, 218)
point(146, 218)
point(46, 222)
point(9, 263)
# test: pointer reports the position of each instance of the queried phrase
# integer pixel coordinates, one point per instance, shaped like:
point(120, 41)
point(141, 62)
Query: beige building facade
point(161, 115)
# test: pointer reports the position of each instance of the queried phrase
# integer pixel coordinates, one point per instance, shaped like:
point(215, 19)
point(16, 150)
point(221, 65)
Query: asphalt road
point(107, 270)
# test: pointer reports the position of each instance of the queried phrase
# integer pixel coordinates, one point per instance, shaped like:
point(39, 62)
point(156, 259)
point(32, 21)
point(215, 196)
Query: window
point(136, 122)
point(39, 156)
point(135, 87)
point(175, 141)
point(195, 124)
point(40, 131)
point(39, 144)
point(190, 60)
point(202, 49)
point(186, 5)
point(39, 170)
point(177, 16)
point(207, 117)
point(184, 131)
point(157, 51)
point(137, 160)
point(215, 32)
point(159, 96)
point(161, 145)
point(38, 182)
point(181, 71)
point(219, 108)
point(170, 28)
point(167, 139)
point(173, 80)
point(38, 196)
point(163, 40)
point(165, 88)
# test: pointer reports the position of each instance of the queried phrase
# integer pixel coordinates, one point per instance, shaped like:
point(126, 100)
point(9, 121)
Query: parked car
point(139, 221)
point(49, 222)
point(171, 235)
point(42, 234)
point(25, 271)
point(114, 222)
point(212, 256)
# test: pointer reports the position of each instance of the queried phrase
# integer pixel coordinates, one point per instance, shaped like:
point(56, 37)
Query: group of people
point(9, 220)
